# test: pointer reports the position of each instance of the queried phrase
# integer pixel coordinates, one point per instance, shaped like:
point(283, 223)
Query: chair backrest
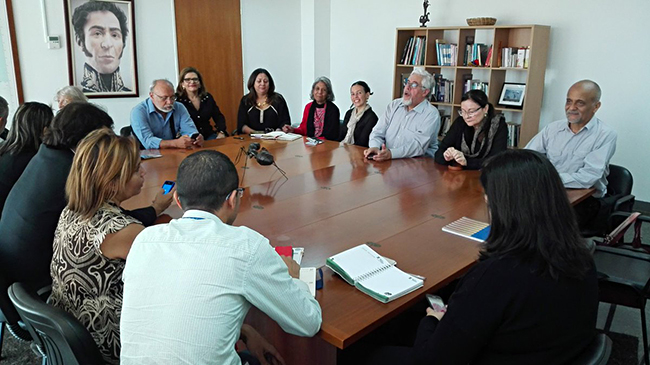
point(597, 353)
point(128, 132)
point(63, 338)
point(619, 181)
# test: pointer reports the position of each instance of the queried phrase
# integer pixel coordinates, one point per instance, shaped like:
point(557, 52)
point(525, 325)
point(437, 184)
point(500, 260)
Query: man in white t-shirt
point(189, 284)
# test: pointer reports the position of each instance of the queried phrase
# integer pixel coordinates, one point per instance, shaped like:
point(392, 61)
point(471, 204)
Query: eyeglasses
point(240, 193)
point(166, 98)
point(469, 113)
point(411, 85)
point(191, 79)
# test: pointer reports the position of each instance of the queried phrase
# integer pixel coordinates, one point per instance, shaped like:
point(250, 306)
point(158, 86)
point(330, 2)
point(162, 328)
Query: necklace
point(262, 104)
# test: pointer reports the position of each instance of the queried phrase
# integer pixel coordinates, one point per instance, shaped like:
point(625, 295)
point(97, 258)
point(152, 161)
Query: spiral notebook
point(371, 273)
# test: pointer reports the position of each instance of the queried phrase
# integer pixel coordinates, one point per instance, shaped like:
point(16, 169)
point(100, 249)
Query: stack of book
point(478, 54)
point(445, 123)
point(414, 51)
point(475, 85)
point(443, 90)
point(515, 57)
point(446, 53)
point(513, 135)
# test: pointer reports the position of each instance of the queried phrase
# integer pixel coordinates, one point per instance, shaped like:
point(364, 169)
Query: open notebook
point(371, 273)
point(277, 135)
point(469, 228)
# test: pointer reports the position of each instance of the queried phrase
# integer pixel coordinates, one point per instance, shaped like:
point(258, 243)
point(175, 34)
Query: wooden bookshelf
point(535, 37)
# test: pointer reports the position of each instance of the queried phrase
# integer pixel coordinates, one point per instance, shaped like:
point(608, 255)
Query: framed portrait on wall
point(101, 47)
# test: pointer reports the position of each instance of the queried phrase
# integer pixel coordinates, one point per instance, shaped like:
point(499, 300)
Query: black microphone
point(264, 157)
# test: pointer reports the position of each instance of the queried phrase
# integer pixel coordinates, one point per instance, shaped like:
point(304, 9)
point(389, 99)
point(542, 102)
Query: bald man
point(581, 145)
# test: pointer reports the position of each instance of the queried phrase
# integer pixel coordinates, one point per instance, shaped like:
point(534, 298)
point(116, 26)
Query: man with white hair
point(410, 126)
point(161, 122)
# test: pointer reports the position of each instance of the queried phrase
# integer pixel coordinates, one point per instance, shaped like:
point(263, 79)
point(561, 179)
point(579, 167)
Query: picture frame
point(512, 95)
point(101, 47)
point(10, 78)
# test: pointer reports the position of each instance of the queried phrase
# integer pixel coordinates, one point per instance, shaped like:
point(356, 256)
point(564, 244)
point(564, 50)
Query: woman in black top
point(200, 104)
point(262, 109)
point(321, 117)
point(359, 120)
point(27, 128)
point(532, 298)
point(475, 135)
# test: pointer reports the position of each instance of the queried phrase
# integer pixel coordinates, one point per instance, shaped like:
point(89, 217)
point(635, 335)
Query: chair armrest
point(627, 199)
point(637, 255)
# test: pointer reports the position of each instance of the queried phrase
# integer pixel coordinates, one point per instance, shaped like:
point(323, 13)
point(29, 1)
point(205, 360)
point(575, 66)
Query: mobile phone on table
point(436, 303)
point(168, 186)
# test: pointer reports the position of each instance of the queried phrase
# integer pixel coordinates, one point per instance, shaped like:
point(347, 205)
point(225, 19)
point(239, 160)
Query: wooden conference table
point(333, 200)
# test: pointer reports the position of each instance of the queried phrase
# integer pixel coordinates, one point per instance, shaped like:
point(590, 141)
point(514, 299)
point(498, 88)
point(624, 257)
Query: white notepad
point(277, 135)
point(371, 273)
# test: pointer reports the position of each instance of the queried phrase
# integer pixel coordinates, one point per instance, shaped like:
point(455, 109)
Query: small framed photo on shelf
point(512, 95)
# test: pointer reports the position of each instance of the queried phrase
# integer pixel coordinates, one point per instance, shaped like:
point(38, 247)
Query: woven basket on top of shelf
point(474, 22)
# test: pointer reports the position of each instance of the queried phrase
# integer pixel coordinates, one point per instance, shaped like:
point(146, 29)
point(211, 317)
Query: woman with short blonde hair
point(94, 235)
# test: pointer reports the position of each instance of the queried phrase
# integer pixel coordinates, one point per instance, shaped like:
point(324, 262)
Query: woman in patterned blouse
point(94, 236)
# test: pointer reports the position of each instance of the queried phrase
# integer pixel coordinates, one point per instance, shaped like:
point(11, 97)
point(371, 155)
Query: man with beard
point(580, 146)
point(100, 30)
point(161, 122)
point(409, 128)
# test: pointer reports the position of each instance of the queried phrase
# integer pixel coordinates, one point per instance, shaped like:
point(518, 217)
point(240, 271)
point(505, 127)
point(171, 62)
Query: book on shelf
point(515, 57)
point(468, 228)
point(443, 89)
point(477, 54)
point(513, 134)
point(471, 84)
point(446, 53)
point(373, 274)
point(445, 124)
point(414, 51)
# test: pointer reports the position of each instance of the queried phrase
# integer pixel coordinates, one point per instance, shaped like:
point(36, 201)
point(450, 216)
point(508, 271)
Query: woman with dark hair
point(321, 117)
point(33, 206)
point(94, 235)
point(200, 104)
point(532, 298)
point(27, 128)
point(262, 109)
point(360, 119)
point(475, 135)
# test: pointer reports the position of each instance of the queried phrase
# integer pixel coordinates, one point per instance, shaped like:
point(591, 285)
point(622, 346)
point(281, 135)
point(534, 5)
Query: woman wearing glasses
point(475, 135)
point(262, 109)
point(200, 104)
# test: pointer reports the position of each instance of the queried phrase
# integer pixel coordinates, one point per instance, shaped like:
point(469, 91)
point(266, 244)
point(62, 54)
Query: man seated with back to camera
point(410, 126)
point(580, 148)
point(161, 122)
point(189, 284)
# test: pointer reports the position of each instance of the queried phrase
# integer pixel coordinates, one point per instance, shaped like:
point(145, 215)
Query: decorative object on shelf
point(475, 22)
point(425, 17)
point(512, 95)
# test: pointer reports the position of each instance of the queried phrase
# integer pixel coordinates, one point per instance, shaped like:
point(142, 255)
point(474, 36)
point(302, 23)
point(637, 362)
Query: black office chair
point(63, 339)
point(597, 353)
point(9, 317)
point(619, 198)
point(128, 132)
point(624, 279)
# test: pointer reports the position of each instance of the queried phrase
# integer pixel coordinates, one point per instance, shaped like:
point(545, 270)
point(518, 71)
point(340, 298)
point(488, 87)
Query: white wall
point(44, 71)
point(271, 39)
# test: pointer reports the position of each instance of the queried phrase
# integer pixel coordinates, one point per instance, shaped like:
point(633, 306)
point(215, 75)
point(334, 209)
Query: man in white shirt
point(580, 146)
point(410, 126)
point(189, 284)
